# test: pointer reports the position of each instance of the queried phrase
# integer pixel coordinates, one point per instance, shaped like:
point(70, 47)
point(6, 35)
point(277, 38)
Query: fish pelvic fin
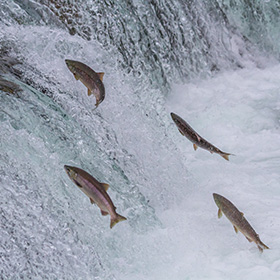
point(235, 229)
point(195, 147)
point(117, 219)
point(220, 213)
point(89, 92)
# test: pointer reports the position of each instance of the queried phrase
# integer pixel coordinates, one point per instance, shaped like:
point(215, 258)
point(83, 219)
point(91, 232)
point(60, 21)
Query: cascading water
point(148, 50)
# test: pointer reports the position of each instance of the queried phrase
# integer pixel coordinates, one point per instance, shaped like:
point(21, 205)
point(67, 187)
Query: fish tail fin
point(262, 246)
point(225, 156)
point(117, 219)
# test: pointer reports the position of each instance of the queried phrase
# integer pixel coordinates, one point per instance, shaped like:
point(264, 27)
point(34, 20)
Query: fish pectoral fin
point(195, 147)
point(100, 75)
point(76, 76)
point(105, 186)
point(220, 213)
point(104, 213)
point(181, 132)
point(235, 229)
point(249, 239)
point(91, 201)
point(89, 92)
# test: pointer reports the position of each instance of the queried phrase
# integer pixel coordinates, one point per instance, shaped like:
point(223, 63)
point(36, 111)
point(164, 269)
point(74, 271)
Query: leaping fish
point(96, 191)
point(238, 220)
point(186, 130)
point(91, 79)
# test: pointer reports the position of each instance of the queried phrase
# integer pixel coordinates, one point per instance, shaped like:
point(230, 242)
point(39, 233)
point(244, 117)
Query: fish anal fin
point(105, 186)
point(76, 76)
point(220, 213)
point(249, 239)
point(100, 75)
point(91, 200)
point(89, 92)
point(104, 213)
point(195, 147)
point(235, 229)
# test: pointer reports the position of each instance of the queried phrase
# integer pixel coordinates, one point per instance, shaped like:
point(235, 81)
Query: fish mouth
point(217, 198)
point(173, 116)
point(68, 62)
point(215, 195)
point(67, 169)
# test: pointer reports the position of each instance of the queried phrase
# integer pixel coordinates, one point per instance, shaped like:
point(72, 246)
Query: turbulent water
point(214, 63)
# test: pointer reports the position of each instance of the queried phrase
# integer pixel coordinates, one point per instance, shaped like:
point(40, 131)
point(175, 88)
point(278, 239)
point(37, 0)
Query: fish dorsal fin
point(89, 92)
point(91, 200)
point(76, 76)
point(195, 147)
point(235, 229)
point(105, 186)
point(100, 75)
point(220, 213)
point(198, 138)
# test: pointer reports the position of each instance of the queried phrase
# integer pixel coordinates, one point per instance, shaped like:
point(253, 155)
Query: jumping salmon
point(96, 191)
point(186, 130)
point(91, 79)
point(238, 220)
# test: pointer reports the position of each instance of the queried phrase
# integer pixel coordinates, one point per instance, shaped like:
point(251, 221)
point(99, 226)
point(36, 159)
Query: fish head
point(70, 64)
point(175, 118)
point(71, 172)
point(217, 199)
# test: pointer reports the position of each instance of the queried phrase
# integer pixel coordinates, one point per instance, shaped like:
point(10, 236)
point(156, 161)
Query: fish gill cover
point(48, 229)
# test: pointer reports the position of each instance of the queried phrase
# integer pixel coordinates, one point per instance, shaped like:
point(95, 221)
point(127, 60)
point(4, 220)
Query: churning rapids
point(214, 63)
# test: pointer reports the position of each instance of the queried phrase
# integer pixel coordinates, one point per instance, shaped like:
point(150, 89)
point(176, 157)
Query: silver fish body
point(238, 220)
point(91, 79)
point(198, 141)
point(96, 192)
